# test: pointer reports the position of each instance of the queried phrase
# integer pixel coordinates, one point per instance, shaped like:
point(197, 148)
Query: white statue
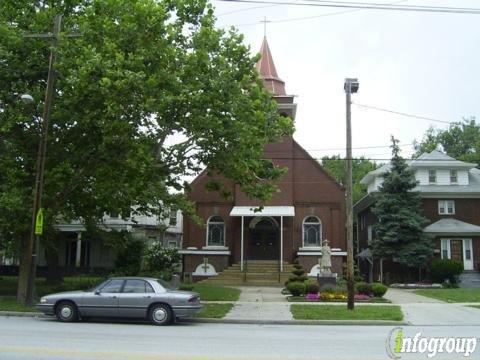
point(326, 260)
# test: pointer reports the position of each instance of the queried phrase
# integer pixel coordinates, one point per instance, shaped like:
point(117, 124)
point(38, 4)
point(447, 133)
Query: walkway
point(260, 303)
point(421, 310)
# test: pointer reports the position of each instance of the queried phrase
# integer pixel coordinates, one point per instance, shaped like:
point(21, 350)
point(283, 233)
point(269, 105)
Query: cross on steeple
point(265, 21)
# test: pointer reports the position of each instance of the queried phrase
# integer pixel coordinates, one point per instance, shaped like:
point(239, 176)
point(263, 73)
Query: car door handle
point(147, 297)
point(112, 297)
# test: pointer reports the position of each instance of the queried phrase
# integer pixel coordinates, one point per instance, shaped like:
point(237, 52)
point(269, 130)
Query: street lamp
point(350, 86)
point(29, 261)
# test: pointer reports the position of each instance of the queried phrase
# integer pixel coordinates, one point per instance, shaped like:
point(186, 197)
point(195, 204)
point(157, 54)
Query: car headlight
point(43, 300)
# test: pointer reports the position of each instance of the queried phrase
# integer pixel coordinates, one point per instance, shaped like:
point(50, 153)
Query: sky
point(417, 63)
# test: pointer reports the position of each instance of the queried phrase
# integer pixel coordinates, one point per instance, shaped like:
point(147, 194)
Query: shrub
point(296, 288)
point(442, 270)
point(298, 273)
point(379, 289)
point(129, 258)
point(161, 259)
point(329, 289)
point(311, 287)
point(363, 288)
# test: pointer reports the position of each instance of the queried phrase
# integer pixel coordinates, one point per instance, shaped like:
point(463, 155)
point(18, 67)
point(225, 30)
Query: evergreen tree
point(399, 230)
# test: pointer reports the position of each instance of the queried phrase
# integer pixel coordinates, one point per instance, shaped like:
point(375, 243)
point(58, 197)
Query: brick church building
point(240, 245)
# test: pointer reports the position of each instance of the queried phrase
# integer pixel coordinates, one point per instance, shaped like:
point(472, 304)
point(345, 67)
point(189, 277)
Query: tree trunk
point(23, 271)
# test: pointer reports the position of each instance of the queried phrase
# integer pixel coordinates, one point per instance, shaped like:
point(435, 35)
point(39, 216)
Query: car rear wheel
point(66, 311)
point(160, 314)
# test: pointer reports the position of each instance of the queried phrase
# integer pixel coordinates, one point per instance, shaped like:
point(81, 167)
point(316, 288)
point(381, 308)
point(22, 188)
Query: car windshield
point(92, 289)
point(165, 284)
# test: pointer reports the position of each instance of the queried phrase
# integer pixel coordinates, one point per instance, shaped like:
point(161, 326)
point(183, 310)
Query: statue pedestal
point(326, 279)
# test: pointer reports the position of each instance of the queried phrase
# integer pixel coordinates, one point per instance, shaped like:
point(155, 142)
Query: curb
point(299, 322)
point(22, 314)
point(245, 321)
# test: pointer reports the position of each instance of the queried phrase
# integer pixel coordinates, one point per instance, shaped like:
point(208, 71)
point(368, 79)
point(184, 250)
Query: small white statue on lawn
point(326, 260)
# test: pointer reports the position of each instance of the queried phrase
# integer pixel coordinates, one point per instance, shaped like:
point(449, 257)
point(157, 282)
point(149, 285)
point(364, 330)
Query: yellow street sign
point(39, 222)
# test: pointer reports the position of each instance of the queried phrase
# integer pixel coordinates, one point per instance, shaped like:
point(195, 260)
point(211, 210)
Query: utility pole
point(350, 86)
point(28, 266)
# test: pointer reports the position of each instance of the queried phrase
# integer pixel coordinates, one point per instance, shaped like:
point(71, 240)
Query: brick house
point(259, 246)
point(450, 192)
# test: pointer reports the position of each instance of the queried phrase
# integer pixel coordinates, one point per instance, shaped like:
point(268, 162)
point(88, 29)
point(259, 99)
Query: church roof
point(266, 67)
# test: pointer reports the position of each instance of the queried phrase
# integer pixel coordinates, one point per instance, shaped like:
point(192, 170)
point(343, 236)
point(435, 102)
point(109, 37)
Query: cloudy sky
point(418, 63)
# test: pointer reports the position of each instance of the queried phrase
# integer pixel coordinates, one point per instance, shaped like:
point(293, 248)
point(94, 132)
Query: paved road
point(42, 339)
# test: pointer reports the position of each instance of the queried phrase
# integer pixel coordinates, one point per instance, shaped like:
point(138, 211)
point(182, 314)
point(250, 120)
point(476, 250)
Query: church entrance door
point(264, 240)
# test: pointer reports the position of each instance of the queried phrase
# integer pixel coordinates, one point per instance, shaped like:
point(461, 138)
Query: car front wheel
point(160, 314)
point(66, 311)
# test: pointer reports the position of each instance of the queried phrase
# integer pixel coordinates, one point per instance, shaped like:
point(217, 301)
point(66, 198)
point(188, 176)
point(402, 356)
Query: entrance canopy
point(452, 227)
point(266, 211)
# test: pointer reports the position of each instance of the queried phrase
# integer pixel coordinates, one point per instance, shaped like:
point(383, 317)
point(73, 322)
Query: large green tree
point(399, 232)
point(335, 165)
point(461, 141)
point(150, 93)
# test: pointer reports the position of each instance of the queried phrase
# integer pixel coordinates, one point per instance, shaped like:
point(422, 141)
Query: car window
point(113, 286)
point(137, 286)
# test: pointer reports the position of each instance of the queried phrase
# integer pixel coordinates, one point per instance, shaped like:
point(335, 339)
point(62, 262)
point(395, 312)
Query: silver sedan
point(126, 297)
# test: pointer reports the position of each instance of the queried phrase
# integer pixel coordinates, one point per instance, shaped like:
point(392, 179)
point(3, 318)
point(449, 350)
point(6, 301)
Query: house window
point(446, 207)
point(216, 231)
point(453, 177)
point(172, 244)
point(312, 231)
point(432, 176)
point(173, 218)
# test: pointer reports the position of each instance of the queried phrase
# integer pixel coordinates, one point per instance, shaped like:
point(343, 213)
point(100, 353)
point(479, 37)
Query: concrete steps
point(257, 272)
point(470, 279)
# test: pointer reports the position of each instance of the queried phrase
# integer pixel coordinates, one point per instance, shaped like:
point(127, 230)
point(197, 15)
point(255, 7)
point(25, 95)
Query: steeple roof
point(268, 72)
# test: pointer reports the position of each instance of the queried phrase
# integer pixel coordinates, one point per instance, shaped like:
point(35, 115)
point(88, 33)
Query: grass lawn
point(11, 304)
point(336, 312)
point(451, 295)
point(214, 292)
point(216, 311)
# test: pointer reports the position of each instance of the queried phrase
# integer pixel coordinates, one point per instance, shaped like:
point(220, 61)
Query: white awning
point(266, 211)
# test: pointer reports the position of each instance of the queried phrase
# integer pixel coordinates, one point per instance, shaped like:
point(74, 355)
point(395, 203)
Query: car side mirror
point(97, 292)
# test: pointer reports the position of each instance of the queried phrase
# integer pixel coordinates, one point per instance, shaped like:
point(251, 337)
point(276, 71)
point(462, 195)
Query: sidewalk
point(421, 310)
point(260, 304)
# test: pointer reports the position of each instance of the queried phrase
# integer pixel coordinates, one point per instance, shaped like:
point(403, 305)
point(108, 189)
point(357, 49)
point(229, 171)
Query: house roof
point(452, 227)
point(438, 159)
point(268, 72)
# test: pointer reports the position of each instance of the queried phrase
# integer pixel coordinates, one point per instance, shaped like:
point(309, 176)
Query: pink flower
point(312, 297)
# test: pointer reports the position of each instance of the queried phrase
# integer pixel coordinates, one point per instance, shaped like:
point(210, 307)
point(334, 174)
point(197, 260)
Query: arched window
point(312, 231)
point(216, 231)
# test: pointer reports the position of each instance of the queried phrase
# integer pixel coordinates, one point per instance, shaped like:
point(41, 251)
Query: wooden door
point(456, 250)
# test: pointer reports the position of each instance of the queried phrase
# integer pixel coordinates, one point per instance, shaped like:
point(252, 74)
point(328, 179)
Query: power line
point(371, 6)
point(402, 113)
point(343, 148)
point(356, 158)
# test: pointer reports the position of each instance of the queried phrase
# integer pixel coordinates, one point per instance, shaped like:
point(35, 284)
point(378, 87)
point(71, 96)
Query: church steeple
point(268, 72)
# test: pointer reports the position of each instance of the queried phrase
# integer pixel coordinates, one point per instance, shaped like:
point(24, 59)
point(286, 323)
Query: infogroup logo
point(397, 344)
